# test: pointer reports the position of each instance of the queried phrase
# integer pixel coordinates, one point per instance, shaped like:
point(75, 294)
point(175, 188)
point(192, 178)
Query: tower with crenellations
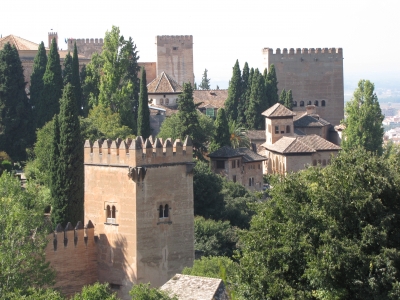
point(86, 47)
point(314, 75)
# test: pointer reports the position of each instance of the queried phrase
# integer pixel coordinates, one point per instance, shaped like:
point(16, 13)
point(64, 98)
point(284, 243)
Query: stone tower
point(86, 47)
point(315, 77)
point(175, 57)
point(51, 36)
point(139, 196)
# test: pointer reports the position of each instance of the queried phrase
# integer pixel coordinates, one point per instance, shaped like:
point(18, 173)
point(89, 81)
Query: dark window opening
point(287, 128)
point(220, 164)
point(316, 102)
point(160, 211)
point(309, 102)
point(276, 129)
point(174, 48)
point(166, 211)
point(301, 103)
point(323, 103)
point(234, 178)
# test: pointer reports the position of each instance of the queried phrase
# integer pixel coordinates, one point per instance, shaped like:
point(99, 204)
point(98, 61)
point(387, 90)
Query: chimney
point(311, 109)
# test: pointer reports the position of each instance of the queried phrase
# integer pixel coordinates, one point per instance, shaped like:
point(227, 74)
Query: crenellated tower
point(86, 47)
point(139, 196)
point(51, 36)
point(315, 76)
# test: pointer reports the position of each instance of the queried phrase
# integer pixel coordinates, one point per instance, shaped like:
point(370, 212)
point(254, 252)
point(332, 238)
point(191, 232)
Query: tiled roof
point(210, 98)
point(227, 152)
point(18, 42)
point(309, 120)
point(298, 132)
point(187, 287)
point(256, 134)
point(301, 144)
point(278, 110)
point(164, 84)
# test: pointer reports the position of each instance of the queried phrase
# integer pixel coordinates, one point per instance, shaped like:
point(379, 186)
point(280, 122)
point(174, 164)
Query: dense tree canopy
point(145, 292)
point(313, 240)
point(222, 135)
point(257, 102)
point(363, 120)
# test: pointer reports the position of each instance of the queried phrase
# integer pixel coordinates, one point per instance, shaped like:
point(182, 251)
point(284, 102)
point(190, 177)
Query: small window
point(282, 129)
point(324, 162)
point(294, 103)
point(160, 211)
point(287, 128)
point(111, 214)
point(314, 163)
point(234, 178)
point(167, 101)
point(166, 211)
point(323, 103)
point(108, 212)
point(210, 112)
point(249, 181)
point(301, 103)
point(316, 102)
point(162, 101)
point(233, 164)
point(174, 48)
point(238, 163)
point(220, 164)
point(163, 211)
point(276, 129)
point(309, 102)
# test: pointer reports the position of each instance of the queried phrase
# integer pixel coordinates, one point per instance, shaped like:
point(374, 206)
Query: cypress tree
point(205, 81)
point(76, 81)
point(257, 102)
point(56, 185)
point(143, 120)
point(16, 128)
point(68, 206)
point(244, 100)
point(289, 100)
point(249, 82)
point(271, 86)
point(67, 71)
point(222, 135)
point(39, 67)
point(49, 104)
point(282, 97)
point(234, 93)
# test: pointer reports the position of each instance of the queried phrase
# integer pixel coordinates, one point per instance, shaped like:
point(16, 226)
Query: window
point(166, 101)
point(316, 102)
point(319, 161)
point(166, 211)
point(234, 178)
point(276, 129)
point(309, 102)
point(160, 211)
point(294, 103)
point(287, 128)
point(238, 163)
point(174, 48)
point(282, 129)
point(324, 162)
point(233, 164)
point(323, 103)
point(220, 164)
point(314, 162)
point(259, 166)
point(111, 214)
point(163, 211)
point(162, 101)
point(210, 112)
point(251, 181)
point(301, 103)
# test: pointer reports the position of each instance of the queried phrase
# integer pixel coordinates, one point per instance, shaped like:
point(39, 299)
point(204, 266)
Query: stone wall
point(86, 47)
point(151, 70)
point(311, 74)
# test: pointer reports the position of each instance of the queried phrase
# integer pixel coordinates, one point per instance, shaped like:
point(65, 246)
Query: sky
point(223, 31)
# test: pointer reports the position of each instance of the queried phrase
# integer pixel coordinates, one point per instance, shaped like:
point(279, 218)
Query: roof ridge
point(169, 82)
point(159, 80)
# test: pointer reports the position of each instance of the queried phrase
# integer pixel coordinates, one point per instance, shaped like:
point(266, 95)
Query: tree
point(145, 292)
point(282, 97)
point(49, 104)
point(313, 240)
point(244, 100)
point(363, 120)
point(289, 100)
point(16, 133)
point(222, 136)
point(143, 120)
point(76, 80)
point(205, 82)
point(91, 83)
point(257, 102)
point(238, 136)
point(67, 71)
point(210, 266)
point(39, 67)
point(33, 293)
point(234, 93)
point(23, 237)
point(67, 182)
point(271, 86)
point(96, 291)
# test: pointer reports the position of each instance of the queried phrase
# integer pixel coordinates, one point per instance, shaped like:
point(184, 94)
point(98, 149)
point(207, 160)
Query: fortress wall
point(175, 57)
point(151, 70)
point(311, 74)
point(86, 47)
point(72, 252)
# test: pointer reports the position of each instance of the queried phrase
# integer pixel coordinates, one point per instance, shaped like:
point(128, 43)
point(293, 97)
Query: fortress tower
point(175, 57)
point(139, 196)
point(51, 36)
point(86, 47)
point(315, 77)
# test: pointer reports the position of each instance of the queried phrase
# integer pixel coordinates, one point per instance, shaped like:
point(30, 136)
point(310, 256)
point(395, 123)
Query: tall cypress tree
point(244, 100)
point(289, 100)
point(56, 185)
point(234, 93)
point(67, 71)
point(271, 86)
point(143, 121)
point(222, 135)
point(16, 128)
point(282, 97)
point(68, 206)
point(205, 81)
point(257, 102)
point(49, 104)
point(76, 81)
point(39, 67)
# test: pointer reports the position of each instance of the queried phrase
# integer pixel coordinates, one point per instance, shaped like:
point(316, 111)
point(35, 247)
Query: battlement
point(160, 39)
point(52, 33)
point(80, 42)
point(302, 51)
point(138, 152)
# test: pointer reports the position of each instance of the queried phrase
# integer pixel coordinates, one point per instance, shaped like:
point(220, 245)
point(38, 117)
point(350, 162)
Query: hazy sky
point(223, 31)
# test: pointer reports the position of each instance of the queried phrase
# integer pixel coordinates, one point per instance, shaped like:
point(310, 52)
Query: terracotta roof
point(187, 287)
point(278, 110)
point(318, 143)
point(256, 134)
point(227, 152)
point(210, 98)
point(163, 84)
point(18, 42)
point(312, 120)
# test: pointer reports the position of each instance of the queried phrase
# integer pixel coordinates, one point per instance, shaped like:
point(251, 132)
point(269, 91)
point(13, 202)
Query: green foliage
point(245, 97)
point(145, 292)
point(289, 100)
point(282, 97)
point(39, 67)
point(143, 120)
point(207, 187)
point(257, 102)
point(363, 120)
point(91, 83)
point(95, 291)
point(205, 81)
point(238, 136)
point(314, 240)
point(222, 136)
point(210, 266)
point(67, 71)
point(271, 86)
point(67, 182)
point(23, 237)
point(16, 126)
point(234, 93)
point(49, 104)
point(214, 238)
point(76, 81)
point(33, 294)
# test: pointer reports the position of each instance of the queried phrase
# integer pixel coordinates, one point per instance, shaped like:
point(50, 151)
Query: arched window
point(161, 212)
point(167, 101)
point(113, 212)
point(301, 103)
point(309, 102)
point(294, 103)
point(108, 212)
point(166, 211)
point(316, 102)
point(162, 101)
point(287, 128)
point(323, 103)
point(324, 162)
